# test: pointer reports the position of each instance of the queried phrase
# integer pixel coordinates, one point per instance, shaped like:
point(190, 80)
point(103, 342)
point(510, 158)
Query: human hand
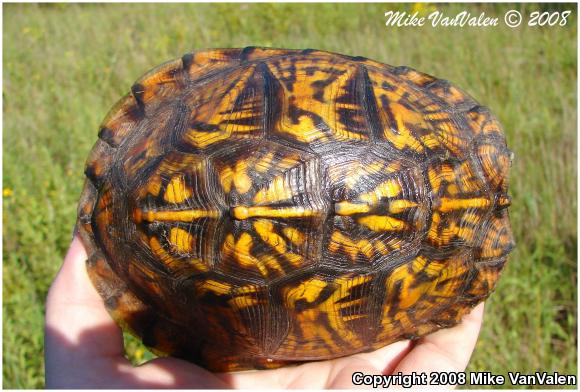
point(84, 349)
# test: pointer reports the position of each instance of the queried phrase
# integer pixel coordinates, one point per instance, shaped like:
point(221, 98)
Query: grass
point(65, 65)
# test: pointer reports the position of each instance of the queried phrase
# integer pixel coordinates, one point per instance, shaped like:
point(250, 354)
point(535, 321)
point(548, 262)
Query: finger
point(336, 373)
point(75, 313)
point(385, 359)
point(175, 373)
point(447, 350)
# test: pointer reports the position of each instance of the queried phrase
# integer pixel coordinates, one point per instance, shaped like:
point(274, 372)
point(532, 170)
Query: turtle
point(259, 207)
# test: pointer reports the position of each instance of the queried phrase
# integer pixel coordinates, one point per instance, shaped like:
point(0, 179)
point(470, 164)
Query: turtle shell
point(252, 208)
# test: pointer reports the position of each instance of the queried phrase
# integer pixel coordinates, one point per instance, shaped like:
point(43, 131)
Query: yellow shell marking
point(309, 291)
point(243, 301)
point(403, 137)
point(265, 230)
point(242, 251)
point(302, 96)
point(176, 191)
point(339, 240)
point(242, 212)
point(172, 263)
point(314, 331)
point(264, 164)
point(153, 186)
point(411, 291)
point(161, 253)
point(346, 208)
point(382, 223)
point(277, 191)
point(181, 239)
point(400, 205)
point(214, 286)
point(389, 188)
point(204, 139)
point(237, 176)
point(294, 235)
point(223, 112)
point(447, 205)
point(504, 201)
point(173, 216)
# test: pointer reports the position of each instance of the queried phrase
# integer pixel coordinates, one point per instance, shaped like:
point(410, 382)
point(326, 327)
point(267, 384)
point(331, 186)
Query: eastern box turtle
point(252, 208)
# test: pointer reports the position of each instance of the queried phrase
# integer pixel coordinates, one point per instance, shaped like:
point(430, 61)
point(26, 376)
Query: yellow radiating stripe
point(294, 235)
point(204, 139)
point(382, 248)
point(366, 248)
point(347, 304)
point(389, 188)
point(401, 205)
point(277, 191)
point(347, 208)
point(214, 286)
point(265, 230)
point(353, 317)
point(271, 262)
point(308, 290)
point(159, 251)
point(436, 176)
point(169, 261)
point(181, 239)
point(237, 176)
point(171, 216)
point(264, 164)
point(447, 205)
point(243, 252)
point(243, 301)
point(290, 212)
point(295, 259)
point(176, 191)
point(304, 128)
point(154, 186)
point(338, 241)
point(382, 223)
point(403, 137)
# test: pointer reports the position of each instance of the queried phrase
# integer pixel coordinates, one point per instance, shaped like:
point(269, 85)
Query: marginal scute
point(451, 95)
point(253, 53)
point(496, 238)
point(159, 84)
point(495, 160)
point(485, 278)
point(255, 208)
point(120, 121)
point(418, 78)
point(482, 122)
point(99, 162)
point(206, 63)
